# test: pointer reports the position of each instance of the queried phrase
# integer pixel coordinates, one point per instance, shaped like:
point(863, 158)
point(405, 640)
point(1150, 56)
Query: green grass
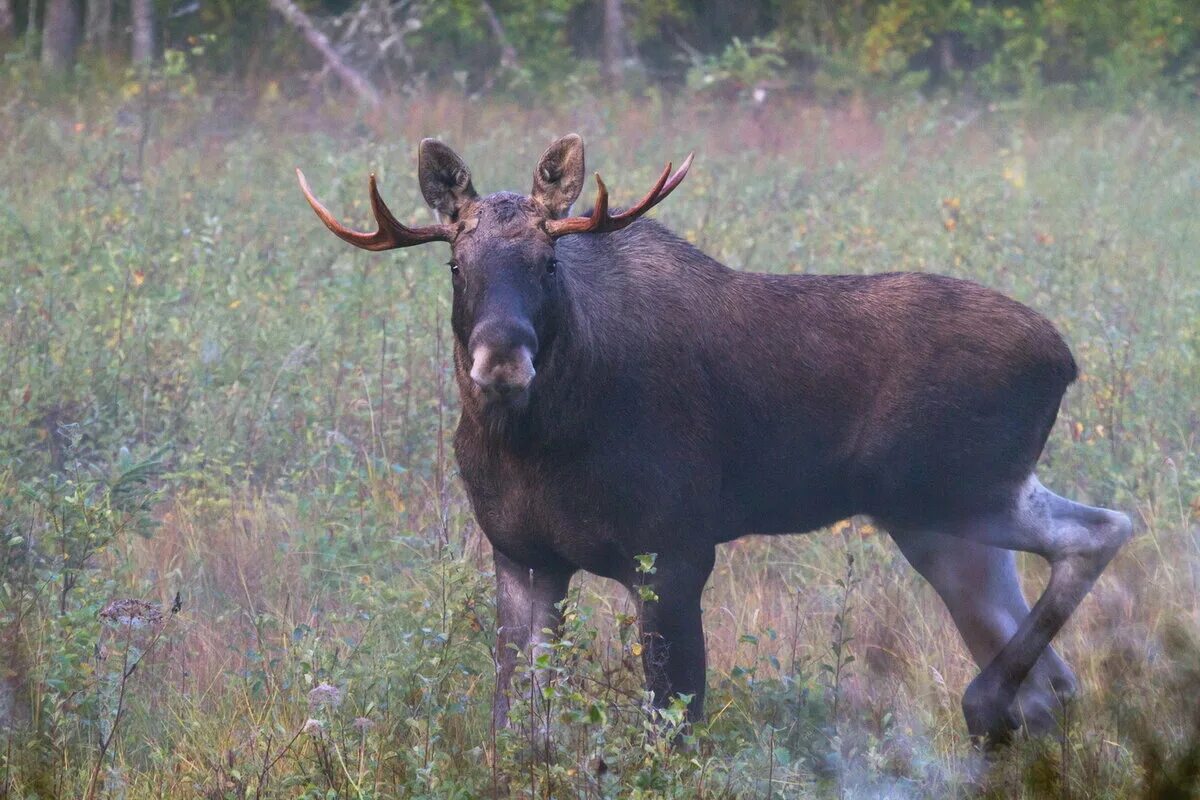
point(205, 393)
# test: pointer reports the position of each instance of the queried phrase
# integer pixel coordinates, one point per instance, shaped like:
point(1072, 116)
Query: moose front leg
point(526, 607)
point(672, 632)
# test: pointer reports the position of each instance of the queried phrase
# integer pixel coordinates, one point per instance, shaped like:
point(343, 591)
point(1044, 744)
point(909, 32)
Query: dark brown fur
point(625, 394)
point(679, 404)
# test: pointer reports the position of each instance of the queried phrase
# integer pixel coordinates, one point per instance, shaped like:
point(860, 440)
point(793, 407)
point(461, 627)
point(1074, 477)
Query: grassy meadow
point(211, 404)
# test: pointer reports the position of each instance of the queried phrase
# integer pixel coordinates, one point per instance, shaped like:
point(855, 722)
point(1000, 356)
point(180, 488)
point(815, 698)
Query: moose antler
point(391, 233)
point(602, 222)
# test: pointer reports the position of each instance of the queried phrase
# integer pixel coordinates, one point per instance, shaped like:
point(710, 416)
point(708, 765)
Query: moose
point(625, 394)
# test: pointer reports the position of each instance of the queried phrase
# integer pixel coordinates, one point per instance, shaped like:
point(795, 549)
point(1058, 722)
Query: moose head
point(507, 290)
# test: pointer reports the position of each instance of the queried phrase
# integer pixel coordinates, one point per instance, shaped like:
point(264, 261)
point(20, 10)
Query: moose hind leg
point(1078, 541)
point(982, 591)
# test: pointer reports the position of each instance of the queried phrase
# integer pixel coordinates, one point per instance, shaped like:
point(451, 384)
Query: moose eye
point(453, 265)
point(552, 266)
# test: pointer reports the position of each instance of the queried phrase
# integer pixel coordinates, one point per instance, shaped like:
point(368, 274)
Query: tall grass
point(169, 300)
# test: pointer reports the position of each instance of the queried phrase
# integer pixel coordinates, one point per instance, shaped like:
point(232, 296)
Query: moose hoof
point(988, 715)
point(1043, 697)
point(1064, 683)
point(1037, 711)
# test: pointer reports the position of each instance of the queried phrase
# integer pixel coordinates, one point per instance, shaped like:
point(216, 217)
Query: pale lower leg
point(1078, 541)
point(527, 616)
point(981, 589)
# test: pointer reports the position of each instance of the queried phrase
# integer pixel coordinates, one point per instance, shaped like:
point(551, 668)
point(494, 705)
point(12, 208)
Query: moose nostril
point(481, 366)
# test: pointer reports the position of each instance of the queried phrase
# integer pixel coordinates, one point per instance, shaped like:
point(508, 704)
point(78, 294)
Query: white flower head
point(324, 695)
point(132, 613)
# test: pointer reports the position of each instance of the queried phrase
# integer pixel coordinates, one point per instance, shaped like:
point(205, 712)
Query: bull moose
point(623, 393)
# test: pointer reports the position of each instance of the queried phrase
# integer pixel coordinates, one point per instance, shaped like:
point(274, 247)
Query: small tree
point(614, 44)
point(8, 22)
point(141, 17)
point(97, 29)
point(60, 35)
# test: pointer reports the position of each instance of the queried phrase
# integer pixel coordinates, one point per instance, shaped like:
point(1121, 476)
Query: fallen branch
point(320, 42)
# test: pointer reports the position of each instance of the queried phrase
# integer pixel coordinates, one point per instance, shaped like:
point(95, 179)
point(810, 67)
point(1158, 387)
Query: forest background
point(1103, 50)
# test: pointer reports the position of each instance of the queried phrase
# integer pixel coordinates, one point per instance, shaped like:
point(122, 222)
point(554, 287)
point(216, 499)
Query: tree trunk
point(8, 22)
point(141, 18)
point(31, 28)
point(97, 28)
point(614, 44)
point(320, 42)
point(60, 35)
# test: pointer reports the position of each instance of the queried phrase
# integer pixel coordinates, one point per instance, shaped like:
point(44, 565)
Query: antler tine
point(383, 215)
point(601, 221)
point(600, 211)
point(648, 201)
point(677, 178)
point(391, 233)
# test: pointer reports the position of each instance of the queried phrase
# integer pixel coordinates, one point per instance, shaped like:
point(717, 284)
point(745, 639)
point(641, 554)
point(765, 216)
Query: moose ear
point(444, 177)
point(558, 178)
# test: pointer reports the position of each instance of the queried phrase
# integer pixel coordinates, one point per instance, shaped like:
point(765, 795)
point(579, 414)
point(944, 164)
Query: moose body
point(623, 393)
point(743, 404)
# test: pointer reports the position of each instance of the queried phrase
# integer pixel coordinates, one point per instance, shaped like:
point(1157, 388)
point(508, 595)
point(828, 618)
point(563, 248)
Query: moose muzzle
point(502, 358)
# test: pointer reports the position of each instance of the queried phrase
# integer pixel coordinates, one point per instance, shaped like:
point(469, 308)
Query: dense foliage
point(1103, 50)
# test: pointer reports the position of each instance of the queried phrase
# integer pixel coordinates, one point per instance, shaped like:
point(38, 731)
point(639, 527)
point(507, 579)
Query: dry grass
point(313, 525)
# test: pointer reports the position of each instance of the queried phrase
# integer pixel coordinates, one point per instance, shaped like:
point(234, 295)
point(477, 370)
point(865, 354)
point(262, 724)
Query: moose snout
point(502, 358)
